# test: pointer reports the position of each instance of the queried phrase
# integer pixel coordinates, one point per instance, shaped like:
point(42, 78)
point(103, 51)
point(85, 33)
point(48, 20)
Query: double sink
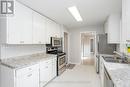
point(114, 59)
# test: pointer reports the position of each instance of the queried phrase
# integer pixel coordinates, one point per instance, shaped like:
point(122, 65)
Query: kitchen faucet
point(122, 56)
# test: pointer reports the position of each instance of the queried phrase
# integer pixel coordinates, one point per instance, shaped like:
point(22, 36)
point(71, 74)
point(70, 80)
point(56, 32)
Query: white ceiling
point(93, 12)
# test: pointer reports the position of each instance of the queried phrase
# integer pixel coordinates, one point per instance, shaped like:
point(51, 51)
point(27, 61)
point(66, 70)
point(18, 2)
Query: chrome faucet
point(123, 56)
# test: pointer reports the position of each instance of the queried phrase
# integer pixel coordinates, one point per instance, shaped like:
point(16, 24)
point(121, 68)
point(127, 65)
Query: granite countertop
point(24, 61)
point(119, 73)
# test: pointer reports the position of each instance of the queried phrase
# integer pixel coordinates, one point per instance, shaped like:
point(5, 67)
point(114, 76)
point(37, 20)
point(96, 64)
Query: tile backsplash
point(8, 51)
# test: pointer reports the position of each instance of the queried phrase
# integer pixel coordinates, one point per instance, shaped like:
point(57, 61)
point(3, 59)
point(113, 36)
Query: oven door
point(61, 61)
point(56, 42)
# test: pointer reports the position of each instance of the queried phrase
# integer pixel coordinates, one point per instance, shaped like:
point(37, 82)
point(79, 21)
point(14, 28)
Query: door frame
point(67, 54)
point(95, 33)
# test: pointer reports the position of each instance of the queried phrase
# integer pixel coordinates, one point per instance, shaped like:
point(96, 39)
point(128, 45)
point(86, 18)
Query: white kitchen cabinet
point(39, 29)
point(27, 27)
point(47, 71)
point(17, 29)
point(30, 79)
point(24, 77)
point(54, 67)
point(49, 30)
point(53, 30)
point(125, 21)
point(113, 28)
point(57, 30)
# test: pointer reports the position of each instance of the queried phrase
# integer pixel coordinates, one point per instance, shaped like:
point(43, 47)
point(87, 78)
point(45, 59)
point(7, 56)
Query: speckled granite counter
point(119, 73)
point(24, 61)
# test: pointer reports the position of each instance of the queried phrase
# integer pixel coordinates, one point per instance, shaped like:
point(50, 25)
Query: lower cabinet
point(37, 75)
point(25, 77)
point(47, 71)
point(30, 79)
point(101, 71)
point(54, 68)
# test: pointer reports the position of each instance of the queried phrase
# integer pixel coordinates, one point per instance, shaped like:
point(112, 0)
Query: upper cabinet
point(125, 21)
point(52, 30)
point(39, 29)
point(27, 27)
point(17, 29)
point(112, 28)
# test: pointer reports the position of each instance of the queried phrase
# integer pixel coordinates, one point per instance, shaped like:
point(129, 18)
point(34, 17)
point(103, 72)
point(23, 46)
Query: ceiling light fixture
point(75, 13)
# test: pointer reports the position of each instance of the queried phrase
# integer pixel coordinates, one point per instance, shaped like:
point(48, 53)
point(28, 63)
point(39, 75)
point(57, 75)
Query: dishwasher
point(107, 79)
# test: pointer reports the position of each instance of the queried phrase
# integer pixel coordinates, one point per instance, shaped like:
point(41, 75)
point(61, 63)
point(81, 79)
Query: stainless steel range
point(61, 58)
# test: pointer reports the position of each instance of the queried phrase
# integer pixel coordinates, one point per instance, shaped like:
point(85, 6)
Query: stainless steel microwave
point(56, 42)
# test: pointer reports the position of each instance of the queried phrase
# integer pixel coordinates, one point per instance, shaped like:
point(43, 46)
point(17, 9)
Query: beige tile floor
point(79, 76)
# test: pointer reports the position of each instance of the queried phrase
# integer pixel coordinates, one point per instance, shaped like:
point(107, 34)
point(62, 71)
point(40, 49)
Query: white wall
point(74, 42)
point(9, 51)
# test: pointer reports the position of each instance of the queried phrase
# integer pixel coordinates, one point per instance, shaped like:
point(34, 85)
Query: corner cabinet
point(125, 21)
point(17, 29)
point(112, 28)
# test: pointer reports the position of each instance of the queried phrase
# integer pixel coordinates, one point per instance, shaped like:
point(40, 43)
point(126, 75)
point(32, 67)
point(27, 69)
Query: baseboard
point(74, 63)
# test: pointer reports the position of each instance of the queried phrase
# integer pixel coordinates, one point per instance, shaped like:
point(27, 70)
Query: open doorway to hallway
point(88, 47)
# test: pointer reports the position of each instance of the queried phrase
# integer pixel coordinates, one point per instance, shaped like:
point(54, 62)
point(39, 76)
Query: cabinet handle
point(21, 41)
point(29, 75)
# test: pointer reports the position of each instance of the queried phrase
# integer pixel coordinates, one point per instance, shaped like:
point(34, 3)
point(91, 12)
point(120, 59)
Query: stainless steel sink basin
point(115, 60)
point(110, 59)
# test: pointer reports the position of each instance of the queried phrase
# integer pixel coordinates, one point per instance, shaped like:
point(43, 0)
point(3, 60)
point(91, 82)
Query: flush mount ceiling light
point(75, 13)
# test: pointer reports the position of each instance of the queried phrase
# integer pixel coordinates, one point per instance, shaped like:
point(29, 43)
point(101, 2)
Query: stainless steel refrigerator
point(102, 46)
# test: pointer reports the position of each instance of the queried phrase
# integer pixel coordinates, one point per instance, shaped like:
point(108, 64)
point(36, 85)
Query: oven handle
point(61, 56)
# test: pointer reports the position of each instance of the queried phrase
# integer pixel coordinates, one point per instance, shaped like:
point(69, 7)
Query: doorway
point(66, 45)
point(88, 48)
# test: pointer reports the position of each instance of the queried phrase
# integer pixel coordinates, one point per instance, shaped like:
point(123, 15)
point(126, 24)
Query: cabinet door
point(54, 68)
point(49, 31)
point(125, 21)
point(56, 30)
point(46, 73)
point(114, 28)
point(28, 80)
point(20, 25)
point(38, 29)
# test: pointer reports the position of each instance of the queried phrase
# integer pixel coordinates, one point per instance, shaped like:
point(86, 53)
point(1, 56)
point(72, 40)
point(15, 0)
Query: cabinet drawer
point(23, 71)
point(45, 63)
